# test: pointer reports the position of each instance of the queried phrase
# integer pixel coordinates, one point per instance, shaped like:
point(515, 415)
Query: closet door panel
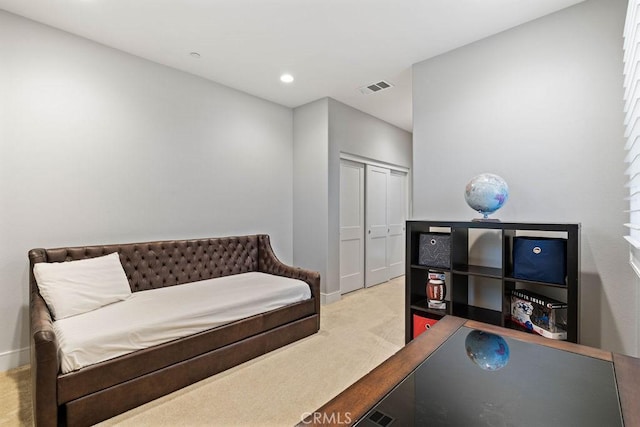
point(351, 226)
point(397, 214)
point(377, 225)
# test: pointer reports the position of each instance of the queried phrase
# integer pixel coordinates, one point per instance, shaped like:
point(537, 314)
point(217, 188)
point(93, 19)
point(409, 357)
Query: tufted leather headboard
point(166, 263)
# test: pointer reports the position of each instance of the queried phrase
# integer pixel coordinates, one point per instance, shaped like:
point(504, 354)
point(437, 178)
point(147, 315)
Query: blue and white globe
point(489, 351)
point(486, 193)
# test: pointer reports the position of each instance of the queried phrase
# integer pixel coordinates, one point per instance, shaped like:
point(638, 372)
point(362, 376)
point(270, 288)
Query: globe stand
point(485, 218)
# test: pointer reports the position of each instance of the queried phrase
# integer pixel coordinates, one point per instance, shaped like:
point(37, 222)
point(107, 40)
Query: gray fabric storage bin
point(435, 250)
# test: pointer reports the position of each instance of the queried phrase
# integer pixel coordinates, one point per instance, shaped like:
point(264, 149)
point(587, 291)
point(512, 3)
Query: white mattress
point(156, 316)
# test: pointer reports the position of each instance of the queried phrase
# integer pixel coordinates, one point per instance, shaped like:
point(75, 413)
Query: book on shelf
point(539, 313)
point(538, 299)
point(438, 305)
point(435, 275)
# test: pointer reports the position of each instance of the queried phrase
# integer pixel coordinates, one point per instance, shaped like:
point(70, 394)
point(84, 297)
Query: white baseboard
point(330, 298)
point(14, 358)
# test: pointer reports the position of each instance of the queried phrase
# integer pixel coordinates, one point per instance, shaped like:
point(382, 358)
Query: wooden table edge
point(353, 403)
point(627, 372)
point(540, 340)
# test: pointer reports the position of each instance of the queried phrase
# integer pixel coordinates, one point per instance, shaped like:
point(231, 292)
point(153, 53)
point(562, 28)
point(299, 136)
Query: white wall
point(540, 105)
point(98, 146)
point(353, 132)
point(322, 130)
point(310, 187)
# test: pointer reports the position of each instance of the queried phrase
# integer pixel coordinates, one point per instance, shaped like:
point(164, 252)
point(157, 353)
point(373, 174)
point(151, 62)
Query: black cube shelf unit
point(460, 271)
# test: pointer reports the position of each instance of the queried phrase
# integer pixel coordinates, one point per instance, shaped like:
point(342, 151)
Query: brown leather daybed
point(90, 394)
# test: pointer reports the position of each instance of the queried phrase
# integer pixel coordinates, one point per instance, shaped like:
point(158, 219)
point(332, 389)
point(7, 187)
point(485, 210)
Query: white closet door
point(397, 214)
point(351, 226)
point(376, 214)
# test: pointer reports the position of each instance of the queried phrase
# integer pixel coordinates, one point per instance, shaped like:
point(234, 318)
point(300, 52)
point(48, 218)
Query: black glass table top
point(510, 383)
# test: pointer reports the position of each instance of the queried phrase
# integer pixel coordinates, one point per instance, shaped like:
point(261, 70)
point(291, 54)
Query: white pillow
point(75, 287)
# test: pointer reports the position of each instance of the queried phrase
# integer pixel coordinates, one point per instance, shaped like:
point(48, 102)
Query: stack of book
point(540, 314)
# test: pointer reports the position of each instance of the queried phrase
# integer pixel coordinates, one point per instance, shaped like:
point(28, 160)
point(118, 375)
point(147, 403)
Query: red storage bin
point(421, 324)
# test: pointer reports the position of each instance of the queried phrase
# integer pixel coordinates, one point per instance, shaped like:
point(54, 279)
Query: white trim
point(14, 358)
point(634, 265)
point(632, 241)
point(631, 107)
point(395, 168)
point(330, 298)
point(367, 161)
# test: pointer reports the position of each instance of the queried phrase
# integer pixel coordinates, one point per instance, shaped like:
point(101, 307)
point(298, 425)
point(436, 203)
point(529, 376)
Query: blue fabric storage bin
point(540, 259)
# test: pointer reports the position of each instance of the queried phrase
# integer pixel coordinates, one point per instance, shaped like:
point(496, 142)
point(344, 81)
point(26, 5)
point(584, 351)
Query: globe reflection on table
point(488, 351)
point(486, 193)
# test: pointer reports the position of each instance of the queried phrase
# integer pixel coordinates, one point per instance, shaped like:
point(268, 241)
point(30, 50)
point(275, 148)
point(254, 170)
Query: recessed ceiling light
point(195, 54)
point(286, 78)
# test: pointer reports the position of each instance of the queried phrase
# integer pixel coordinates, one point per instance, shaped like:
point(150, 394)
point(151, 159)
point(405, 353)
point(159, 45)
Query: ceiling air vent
point(375, 87)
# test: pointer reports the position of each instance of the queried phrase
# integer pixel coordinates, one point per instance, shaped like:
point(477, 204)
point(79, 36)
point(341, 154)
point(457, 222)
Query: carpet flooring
point(356, 334)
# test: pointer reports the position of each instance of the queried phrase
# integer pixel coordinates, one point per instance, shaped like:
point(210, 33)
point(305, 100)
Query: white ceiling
point(331, 47)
